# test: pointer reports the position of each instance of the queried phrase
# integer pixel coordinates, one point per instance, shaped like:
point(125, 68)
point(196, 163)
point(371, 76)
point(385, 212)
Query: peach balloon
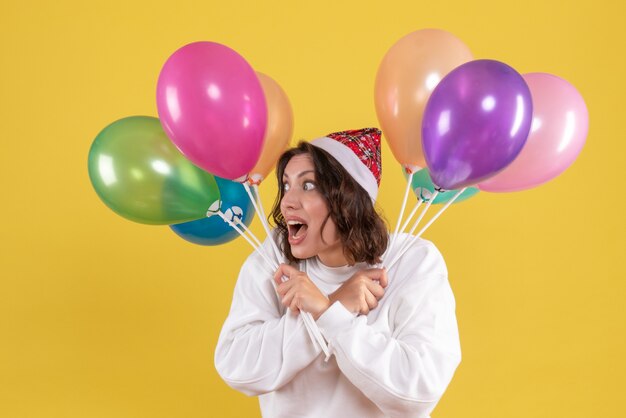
point(279, 128)
point(406, 77)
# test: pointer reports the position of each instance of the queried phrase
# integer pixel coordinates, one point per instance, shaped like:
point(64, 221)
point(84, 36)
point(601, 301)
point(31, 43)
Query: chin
point(302, 253)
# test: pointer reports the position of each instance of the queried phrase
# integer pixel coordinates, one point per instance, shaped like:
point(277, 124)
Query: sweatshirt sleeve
point(406, 372)
point(261, 347)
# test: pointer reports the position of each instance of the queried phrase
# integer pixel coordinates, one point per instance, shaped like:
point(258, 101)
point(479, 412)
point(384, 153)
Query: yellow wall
point(102, 317)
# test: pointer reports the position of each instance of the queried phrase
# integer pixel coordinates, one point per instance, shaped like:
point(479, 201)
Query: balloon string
point(411, 215)
point(274, 266)
point(263, 220)
point(309, 322)
point(246, 229)
point(255, 188)
point(240, 232)
point(315, 333)
point(392, 251)
point(310, 325)
point(430, 222)
point(406, 195)
point(428, 204)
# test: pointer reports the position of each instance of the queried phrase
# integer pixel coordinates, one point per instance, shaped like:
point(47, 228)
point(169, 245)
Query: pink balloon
point(212, 106)
point(557, 135)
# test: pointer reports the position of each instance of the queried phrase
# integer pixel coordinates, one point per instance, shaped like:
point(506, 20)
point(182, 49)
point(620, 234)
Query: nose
point(290, 200)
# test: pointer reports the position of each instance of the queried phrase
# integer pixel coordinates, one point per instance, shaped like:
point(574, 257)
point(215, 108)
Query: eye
point(285, 187)
point(308, 185)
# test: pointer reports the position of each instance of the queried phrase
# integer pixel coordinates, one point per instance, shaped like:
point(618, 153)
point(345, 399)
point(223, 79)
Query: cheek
point(330, 232)
point(318, 211)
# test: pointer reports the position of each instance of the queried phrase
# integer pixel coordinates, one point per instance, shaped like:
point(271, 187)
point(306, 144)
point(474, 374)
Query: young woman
point(392, 335)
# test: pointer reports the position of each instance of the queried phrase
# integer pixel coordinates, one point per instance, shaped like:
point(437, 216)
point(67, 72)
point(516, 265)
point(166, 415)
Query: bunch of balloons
point(220, 124)
point(451, 121)
point(464, 122)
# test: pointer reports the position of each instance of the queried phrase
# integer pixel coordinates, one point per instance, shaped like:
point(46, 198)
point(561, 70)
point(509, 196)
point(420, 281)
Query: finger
point(278, 275)
point(292, 293)
point(384, 279)
point(294, 305)
point(287, 299)
point(284, 287)
point(376, 274)
point(365, 309)
point(289, 270)
point(371, 301)
point(376, 289)
point(284, 270)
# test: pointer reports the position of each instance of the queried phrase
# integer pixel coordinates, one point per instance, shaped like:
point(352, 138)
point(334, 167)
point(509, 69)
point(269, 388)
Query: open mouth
point(297, 230)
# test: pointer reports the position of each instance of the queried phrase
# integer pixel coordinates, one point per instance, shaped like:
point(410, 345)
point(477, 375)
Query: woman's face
point(305, 210)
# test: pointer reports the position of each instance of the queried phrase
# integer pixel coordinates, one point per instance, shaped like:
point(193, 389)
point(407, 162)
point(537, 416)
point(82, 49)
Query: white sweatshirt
point(394, 362)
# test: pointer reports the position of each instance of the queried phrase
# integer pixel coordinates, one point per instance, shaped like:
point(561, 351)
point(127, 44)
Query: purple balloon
point(475, 123)
point(212, 106)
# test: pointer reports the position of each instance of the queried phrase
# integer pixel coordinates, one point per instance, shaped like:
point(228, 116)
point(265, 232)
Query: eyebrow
point(300, 174)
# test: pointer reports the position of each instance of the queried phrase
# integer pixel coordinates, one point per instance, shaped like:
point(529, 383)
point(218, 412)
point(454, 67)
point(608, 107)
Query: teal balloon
point(214, 231)
point(423, 187)
point(138, 172)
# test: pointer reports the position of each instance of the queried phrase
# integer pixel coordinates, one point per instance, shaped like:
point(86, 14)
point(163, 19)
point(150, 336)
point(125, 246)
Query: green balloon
point(423, 187)
point(142, 176)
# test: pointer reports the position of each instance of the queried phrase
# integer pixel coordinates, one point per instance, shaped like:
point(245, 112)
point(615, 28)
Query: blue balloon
point(213, 230)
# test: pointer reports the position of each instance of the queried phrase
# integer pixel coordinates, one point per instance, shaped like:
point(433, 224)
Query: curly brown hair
point(362, 230)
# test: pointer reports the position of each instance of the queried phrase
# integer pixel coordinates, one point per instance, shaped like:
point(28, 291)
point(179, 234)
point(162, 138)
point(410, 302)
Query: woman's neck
point(333, 257)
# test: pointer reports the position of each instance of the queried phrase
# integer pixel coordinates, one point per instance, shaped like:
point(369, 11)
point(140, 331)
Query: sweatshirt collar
point(328, 274)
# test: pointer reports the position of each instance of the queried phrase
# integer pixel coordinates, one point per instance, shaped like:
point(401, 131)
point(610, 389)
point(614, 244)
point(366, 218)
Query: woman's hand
point(299, 293)
point(361, 292)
